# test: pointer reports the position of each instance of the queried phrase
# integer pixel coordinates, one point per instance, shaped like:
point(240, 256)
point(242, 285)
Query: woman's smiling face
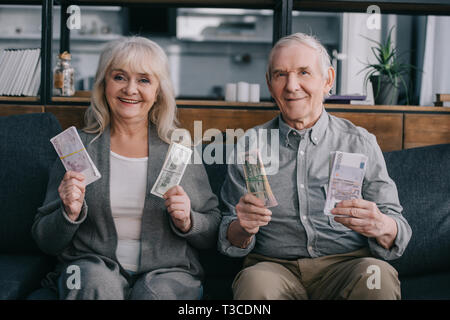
point(130, 94)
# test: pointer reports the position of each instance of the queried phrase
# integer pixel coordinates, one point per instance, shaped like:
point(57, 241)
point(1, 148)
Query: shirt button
point(302, 186)
point(302, 153)
point(315, 139)
point(304, 217)
point(310, 248)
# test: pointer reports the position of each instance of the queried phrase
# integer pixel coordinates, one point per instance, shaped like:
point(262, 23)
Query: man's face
point(297, 84)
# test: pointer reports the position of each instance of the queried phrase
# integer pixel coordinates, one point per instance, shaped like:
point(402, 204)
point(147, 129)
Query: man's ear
point(330, 80)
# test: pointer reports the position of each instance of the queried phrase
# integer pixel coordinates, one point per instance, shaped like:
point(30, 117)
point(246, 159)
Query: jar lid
point(65, 55)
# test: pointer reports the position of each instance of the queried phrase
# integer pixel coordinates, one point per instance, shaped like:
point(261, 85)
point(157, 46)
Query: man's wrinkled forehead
point(303, 56)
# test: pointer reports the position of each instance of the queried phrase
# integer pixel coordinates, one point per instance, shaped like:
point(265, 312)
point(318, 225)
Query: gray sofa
point(422, 176)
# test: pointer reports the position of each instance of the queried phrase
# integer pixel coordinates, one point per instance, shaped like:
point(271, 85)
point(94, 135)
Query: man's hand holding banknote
point(252, 209)
point(345, 202)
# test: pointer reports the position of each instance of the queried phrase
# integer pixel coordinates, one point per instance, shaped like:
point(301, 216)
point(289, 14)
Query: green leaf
point(387, 63)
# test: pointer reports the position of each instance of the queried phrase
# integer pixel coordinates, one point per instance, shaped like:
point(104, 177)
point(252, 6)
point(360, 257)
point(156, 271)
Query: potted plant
point(387, 74)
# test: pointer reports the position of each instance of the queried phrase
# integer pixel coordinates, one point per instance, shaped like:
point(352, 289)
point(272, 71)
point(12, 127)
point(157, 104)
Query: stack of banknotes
point(256, 178)
point(73, 154)
point(346, 178)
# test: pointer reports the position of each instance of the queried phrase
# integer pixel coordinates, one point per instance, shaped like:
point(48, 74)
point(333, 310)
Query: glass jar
point(63, 76)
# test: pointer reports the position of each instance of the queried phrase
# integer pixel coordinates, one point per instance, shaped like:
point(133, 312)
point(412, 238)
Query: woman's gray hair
point(307, 40)
point(143, 56)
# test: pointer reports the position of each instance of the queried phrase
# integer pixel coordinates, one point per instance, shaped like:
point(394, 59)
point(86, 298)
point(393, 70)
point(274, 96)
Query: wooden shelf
point(271, 105)
point(18, 99)
point(221, 103)
point(83, 97)
point(9, 110)
point(78, 99)
point(388, 108)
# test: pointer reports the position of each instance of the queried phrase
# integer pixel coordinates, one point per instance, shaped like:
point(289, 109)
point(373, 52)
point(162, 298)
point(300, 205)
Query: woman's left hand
point(179, 207)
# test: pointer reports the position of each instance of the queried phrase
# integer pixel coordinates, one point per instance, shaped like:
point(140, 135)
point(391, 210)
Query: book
point(7, 72)
point(36, 82)
point(4, 57)
point(29, 79)
point(17, 56)
point(344, 99)
point(20, 72)
point(23, 73)
point(15, 86)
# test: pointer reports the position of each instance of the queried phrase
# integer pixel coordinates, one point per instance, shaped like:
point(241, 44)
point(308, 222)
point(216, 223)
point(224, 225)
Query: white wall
point(357, 50)
point(436, 68)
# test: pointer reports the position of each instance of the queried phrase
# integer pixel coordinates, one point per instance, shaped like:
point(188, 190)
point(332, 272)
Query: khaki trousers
point(354, 275)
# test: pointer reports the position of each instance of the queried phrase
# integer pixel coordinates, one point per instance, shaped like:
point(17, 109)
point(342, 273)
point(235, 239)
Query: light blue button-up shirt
point(299, 228)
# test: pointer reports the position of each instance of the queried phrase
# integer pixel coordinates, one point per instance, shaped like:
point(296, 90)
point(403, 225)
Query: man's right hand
point(252, 213)
point(71, 191)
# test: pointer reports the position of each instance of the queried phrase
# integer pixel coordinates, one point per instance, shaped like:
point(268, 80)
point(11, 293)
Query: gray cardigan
point(93, 235)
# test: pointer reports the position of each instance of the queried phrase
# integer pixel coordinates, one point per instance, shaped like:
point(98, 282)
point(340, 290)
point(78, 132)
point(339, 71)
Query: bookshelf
point(282, 12)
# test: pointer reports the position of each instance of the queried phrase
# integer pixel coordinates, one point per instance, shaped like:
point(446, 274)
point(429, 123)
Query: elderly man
point(294, 250)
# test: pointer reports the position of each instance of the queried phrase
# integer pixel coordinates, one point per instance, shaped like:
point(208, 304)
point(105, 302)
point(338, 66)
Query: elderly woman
point(118, 238)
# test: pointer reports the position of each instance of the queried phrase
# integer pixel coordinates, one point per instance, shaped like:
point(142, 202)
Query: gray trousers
point(99, 282)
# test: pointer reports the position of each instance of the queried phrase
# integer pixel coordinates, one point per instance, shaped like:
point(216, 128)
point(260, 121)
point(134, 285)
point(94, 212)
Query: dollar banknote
point(256, 178)
point(177, 158)
point(346, 178)
point(73, 154)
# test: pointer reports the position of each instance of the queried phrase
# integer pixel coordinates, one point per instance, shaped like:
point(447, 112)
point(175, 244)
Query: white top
point(128, 179)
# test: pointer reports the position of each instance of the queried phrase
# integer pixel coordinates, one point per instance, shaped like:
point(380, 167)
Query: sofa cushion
point(22, 274)
point(218, 288)
point(435, 286)
point(219, 271)
point(216, 175)
point(422, 178)
point(26, 155)
point(43, 294)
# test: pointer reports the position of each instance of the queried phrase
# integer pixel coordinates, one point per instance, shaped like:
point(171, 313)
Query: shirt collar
point(315, 133)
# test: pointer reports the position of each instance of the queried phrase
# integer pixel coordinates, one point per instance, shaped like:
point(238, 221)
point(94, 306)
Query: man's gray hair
point(307, 40)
